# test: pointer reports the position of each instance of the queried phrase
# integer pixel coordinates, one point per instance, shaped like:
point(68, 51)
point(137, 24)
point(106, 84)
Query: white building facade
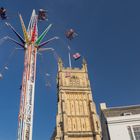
point(120, 123)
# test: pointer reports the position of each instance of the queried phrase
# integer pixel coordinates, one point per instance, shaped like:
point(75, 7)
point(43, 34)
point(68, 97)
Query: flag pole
point(69, 57)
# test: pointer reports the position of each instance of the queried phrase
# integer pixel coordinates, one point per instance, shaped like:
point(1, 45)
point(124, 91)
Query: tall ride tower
point(76, 117)
point(31, 45)
point(28, 81)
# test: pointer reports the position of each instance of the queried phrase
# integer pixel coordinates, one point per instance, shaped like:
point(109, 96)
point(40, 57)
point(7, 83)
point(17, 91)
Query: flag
point(76, 56)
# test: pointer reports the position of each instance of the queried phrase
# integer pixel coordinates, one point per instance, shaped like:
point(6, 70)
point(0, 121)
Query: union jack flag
point(76, 56)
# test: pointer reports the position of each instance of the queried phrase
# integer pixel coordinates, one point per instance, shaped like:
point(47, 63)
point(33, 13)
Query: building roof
point(121, 111)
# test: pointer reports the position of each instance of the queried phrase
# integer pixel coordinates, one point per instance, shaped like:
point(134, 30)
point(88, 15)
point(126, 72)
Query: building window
point(74, 126)
point(97, 125)
point(126, 113)
point(83, 126)
point(136, 130)
point(130, 133)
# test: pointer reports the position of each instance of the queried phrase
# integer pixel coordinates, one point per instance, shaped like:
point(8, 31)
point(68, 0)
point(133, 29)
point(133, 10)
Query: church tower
point(76, 117)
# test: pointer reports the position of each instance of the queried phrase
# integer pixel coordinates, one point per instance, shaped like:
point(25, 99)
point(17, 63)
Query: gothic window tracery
point(74, 81)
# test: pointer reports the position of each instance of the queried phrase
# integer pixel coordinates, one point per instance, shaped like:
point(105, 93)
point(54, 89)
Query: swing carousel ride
point(32, 45)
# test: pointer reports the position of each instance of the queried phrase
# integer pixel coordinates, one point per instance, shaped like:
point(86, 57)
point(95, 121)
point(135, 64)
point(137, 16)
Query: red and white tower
point(28, 81)
point(31, 44)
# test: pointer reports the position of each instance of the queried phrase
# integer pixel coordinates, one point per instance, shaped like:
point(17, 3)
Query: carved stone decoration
point(74, 81)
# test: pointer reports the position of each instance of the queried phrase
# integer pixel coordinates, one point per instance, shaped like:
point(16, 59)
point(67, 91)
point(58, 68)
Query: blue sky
point(109, 39)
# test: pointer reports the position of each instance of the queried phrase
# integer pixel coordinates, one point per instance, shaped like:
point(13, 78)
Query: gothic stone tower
point(76, 117)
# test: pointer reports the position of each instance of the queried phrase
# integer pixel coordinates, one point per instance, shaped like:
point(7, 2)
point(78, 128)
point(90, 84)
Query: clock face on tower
point(74, 81)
